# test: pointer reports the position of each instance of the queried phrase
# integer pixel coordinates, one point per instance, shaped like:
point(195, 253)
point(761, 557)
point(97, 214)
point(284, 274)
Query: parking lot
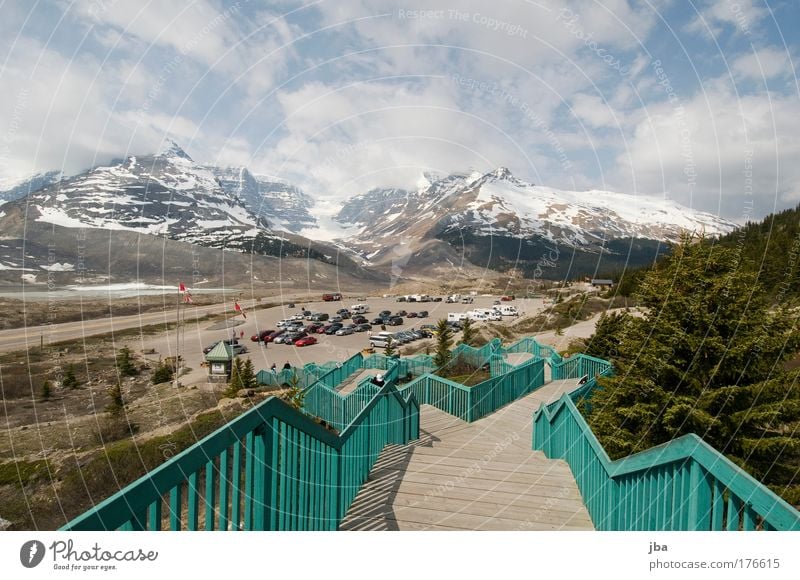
point(197, 336)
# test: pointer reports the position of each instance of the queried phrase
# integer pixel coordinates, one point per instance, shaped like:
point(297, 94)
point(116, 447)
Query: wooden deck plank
point(472, 476)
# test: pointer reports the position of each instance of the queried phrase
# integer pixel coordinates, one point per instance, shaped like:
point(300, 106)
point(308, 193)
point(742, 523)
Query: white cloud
point(741, 16)
point(765, 63)
point(592, 110)
point(718, 152)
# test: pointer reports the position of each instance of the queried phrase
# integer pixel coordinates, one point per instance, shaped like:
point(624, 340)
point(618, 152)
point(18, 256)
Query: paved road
point(20, 338)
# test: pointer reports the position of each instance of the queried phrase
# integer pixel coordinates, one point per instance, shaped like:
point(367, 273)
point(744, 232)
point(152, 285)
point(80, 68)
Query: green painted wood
point(209, 496)
point(734, 508)
point(691, 493)
point(192, 493)
point(154, 516)
point(718, 506)
point(224, 496)
point(175, 508)
point(249, 487)
point(236, 486)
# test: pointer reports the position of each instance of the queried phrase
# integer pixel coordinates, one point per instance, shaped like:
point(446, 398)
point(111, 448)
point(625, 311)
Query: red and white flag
point(187, 296)
point(238, 309)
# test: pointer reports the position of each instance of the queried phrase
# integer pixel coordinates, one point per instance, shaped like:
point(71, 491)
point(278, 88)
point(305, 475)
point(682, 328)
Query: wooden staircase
point(472, 476)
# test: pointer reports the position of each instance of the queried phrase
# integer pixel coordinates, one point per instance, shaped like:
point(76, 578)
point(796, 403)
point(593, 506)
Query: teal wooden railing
point(579, 365)
point(327, 403)
point(272, 468)
point(682, 485)
point(472, 403)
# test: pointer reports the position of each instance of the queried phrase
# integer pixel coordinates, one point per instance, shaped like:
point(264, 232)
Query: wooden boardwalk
point(478, 476)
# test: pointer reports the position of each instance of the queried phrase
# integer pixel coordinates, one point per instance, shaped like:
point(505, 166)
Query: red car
point(305, 341)
point(323, 329)
point(273, 335)
point(411, 315)
point(261, 335)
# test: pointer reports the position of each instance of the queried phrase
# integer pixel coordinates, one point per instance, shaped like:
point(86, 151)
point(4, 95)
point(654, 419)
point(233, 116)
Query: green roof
point(220, 353)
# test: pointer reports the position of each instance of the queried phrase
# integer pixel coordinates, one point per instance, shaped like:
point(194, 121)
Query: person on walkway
point(287, 366)
point(274, 368)
point(378, 381)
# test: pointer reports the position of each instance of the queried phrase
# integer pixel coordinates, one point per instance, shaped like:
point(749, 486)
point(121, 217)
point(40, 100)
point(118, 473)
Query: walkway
point(478, 476)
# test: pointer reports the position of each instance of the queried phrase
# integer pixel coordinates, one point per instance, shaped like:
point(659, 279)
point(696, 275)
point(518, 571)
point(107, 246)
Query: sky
point(692, 100)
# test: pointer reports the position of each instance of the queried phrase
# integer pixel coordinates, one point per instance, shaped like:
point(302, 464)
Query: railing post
point(262, 496)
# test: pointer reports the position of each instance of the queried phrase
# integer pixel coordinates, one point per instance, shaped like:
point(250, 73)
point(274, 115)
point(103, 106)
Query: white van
point(359, 309)
point(509, 311)
point(477, 316)
point(456, 316)
point(381, 340)
point(467, 300)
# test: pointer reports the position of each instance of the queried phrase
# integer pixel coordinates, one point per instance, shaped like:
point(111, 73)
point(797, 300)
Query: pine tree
point(468, 333)
point(117, 403)
point(70, 381)
point(295, 395)
point(125, 366)
point(607, 336)
point(703, 360)
point(389, 350)
point(236, 383)
point(47, 390)
point(248, 375)
point(444, 341)
point(164, 373)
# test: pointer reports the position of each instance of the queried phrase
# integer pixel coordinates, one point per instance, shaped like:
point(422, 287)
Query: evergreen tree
point(444, 341)
point(125, 366)
point(607, 336)
point(295, 395)
point(47, 390)
point(70, 381)
point(468, 333)
point(248, 375)
point(389, 350)
point(117, 403)
point(703, 360)
point(236, 383)
point(164, 373)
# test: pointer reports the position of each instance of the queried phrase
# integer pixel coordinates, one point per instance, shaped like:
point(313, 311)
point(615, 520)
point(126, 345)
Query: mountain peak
point(171, 149)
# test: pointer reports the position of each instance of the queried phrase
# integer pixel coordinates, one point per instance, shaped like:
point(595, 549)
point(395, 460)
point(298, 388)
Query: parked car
point(238, 348)
point(377, 321)
point(313, 327)
point(428, 327)
point(291, 337)
point(425, 333)
point(261, 335)
point(437, 299)
point(385, 313)
point(411, 315)
point(422, 314)
point(320, 317)
point(298, 316)
point(336, 319)
point(359, 320)
point(345, 330)
point(274, 335)
point(323, 329)
point(291, 305)
point(401, 313)
point(363, 327)
point(231, 342)
point(395, 321)
point(401, 298)
point(333, 328)
point(305, 341)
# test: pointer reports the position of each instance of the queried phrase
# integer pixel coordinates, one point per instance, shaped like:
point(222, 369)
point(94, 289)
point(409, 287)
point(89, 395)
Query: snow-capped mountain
point(29, 185)
point(284, 205)
point(499, 204)
point(166, 194)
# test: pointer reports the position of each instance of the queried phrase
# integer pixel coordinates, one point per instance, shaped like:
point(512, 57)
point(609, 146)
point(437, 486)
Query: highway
point(22, 338)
